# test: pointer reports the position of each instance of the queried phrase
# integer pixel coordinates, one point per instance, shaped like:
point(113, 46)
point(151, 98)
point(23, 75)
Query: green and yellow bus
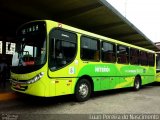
point(54, 59)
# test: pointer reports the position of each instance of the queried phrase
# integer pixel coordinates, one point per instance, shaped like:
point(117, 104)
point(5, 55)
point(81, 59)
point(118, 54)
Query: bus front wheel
point(137, 83)
point(83, 90)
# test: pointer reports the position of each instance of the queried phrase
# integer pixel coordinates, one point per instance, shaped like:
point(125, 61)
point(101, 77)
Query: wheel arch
point(88, 78)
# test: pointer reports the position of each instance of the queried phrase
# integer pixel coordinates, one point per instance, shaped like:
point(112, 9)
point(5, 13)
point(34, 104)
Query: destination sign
point(32, 27)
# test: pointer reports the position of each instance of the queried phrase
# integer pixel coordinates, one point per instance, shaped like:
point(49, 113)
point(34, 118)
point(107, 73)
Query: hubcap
point(83, 90)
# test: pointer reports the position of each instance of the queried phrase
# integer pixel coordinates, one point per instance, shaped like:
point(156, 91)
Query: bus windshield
point(31, 45)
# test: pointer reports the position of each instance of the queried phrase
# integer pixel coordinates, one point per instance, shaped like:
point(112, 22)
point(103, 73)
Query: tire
point(83, 90)
point(137, 83)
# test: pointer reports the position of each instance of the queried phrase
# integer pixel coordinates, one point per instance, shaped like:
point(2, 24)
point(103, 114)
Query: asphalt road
point(123, 101)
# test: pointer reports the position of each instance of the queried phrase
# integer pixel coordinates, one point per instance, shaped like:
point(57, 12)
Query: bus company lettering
point(131, 71)
point(102, 69)
point(134, 71)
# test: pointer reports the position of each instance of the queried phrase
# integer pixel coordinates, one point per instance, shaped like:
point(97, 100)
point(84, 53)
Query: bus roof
point(70, 28)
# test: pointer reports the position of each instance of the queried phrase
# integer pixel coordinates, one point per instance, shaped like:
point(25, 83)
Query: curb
point(7, 96)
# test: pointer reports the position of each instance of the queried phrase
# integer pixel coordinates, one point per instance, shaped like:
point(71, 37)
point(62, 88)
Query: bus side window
point(63, 48)
point(90, 49)
point(123, 54)
point(108, 52)
point(134, 56)
point(151, 59)
point(96, 56)
point(143, 58)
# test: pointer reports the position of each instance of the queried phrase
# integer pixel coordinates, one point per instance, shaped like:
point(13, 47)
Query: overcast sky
point(144, 14)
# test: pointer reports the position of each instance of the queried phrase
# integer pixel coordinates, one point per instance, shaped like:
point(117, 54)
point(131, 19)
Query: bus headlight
point(36, 78)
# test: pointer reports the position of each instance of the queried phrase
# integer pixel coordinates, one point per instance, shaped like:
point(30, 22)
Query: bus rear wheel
point(137, 83)
point(83, 90)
